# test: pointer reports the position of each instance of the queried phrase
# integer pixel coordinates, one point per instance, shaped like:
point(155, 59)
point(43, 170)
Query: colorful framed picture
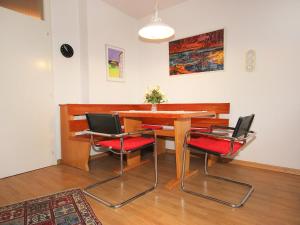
point(114, 63)
point(200, 53)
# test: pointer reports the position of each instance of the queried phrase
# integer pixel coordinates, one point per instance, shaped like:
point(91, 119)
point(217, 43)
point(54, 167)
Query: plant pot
point(154, 107)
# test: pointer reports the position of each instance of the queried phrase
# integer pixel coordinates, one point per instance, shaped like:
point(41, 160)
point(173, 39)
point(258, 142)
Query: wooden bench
point(75, 148)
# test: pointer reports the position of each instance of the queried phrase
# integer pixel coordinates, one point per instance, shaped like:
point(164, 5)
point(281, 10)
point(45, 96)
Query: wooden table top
point(165, 114)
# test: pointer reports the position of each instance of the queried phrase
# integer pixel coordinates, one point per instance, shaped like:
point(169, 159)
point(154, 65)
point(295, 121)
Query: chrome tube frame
point(231, 204)
point(122, 152)
point(118, 135)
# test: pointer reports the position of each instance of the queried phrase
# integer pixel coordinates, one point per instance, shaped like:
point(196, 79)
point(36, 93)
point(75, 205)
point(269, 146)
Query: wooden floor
point(276, 199)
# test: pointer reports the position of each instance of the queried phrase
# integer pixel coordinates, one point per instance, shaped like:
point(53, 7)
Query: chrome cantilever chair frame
point(231, 154)
point(121, 153)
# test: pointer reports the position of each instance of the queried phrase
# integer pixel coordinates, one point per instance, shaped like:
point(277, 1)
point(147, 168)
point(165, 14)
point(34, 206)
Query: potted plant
point(154, 96)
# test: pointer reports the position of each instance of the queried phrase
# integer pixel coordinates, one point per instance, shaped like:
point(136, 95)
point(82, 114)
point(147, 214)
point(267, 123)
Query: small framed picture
point(114, 63)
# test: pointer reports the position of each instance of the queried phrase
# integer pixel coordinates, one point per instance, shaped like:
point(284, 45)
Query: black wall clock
point(67, 50)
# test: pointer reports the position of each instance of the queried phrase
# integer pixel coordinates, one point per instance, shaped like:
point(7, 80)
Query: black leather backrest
point(104, 123)
point(243, 126)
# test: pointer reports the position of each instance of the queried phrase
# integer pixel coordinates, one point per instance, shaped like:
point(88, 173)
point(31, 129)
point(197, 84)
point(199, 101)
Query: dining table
point(133, 120)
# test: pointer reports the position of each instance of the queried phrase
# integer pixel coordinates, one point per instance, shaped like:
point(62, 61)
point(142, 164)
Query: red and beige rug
point(64, 208)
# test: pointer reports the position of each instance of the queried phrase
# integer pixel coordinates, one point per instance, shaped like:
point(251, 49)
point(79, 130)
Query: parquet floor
point(276, 200)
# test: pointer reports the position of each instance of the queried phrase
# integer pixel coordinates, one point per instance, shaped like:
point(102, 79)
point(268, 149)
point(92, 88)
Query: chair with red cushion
point(108, 126)
point(223, 142)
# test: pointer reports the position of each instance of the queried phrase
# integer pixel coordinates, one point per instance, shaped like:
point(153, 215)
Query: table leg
point(181, 127)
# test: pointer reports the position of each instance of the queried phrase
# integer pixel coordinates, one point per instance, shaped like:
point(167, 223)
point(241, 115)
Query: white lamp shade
point(156, 31)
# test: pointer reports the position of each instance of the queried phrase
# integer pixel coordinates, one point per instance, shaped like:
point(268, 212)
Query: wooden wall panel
point(80, 109)
point(218, 108)
point(77, 125)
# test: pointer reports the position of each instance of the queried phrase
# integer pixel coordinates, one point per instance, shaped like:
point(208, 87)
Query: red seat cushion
point(220, 146)
point(152, 127)
point(130, 143)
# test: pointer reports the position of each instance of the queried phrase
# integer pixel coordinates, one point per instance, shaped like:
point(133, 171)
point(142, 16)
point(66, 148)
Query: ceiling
point(141, 8)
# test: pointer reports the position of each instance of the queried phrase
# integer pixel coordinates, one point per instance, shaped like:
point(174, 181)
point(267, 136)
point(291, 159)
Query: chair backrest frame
point(243, 126)
point(104, 123)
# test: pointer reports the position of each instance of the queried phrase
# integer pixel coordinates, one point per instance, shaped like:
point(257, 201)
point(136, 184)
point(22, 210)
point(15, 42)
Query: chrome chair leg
point(86, 191)
point(155, 162)
point(233, 205)
point(120, 204)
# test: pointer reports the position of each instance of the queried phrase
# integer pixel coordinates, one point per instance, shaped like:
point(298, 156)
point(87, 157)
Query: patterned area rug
point(64, 208)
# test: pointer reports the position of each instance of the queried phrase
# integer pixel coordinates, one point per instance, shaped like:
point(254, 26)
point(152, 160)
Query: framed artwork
point(114, 63)
point(200, 53)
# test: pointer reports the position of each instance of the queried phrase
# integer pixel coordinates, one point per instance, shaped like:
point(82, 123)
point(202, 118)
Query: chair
point(223, 142)
point(108, 126)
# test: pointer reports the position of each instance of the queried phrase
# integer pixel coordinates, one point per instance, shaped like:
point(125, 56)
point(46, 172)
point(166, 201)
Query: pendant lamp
point(156, 29)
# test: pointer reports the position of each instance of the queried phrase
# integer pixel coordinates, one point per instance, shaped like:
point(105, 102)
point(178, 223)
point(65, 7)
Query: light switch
point(250, 60)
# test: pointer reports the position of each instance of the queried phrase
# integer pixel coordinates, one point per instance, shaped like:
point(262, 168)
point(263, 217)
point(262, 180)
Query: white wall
point(107, 25)
point(87, 26)
point(65, 29)
point(269, 27)
point(26, 93)
point(70, 74)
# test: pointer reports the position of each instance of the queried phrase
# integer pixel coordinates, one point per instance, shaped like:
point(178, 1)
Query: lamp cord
point(155, 17)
